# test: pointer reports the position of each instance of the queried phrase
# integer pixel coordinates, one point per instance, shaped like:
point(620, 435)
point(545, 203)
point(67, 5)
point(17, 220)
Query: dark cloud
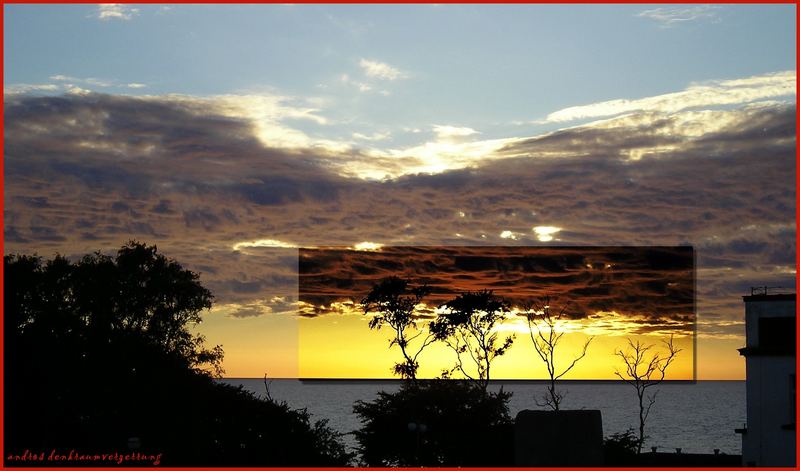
point(207, 219)
point(11, 235)
point(32, 201)
point(144, 146)
point(44, 233)
point(126, 182)
point(163, 207)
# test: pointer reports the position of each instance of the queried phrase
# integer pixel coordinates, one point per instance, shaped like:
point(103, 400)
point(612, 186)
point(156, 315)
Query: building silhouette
point(768, 439)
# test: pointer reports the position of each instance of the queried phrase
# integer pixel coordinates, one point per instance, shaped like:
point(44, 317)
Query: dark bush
point(463, 426)
point(620, 449)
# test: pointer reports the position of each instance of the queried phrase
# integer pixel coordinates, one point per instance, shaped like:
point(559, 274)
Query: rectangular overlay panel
point(609, 294)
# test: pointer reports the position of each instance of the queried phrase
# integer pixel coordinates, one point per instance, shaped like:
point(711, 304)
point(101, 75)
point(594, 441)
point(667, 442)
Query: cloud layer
point(712, 93)
point(218, 188)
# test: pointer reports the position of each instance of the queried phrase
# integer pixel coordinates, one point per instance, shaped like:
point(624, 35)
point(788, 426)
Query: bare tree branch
point(542, 326)
point(643, 373)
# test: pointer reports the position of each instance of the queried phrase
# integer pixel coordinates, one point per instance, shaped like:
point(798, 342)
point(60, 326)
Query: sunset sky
point(232, 136)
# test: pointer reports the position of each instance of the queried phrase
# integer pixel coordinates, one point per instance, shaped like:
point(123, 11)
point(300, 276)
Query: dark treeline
point(100, 359)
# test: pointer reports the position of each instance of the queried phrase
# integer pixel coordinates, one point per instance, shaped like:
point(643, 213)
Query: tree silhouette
point(542, 326)
point(139, 292)
point(644, 370)
point(393, 301)
point(469, 330)
point(619, 449)
point(99, 352)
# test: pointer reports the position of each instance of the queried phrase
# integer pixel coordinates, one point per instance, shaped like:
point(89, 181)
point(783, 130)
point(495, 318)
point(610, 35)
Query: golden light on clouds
point(368, 246)
point(508, 235)
point(545, 233)
point(263, 243)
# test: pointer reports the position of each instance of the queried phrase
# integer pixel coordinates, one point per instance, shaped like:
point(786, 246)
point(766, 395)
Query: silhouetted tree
point(137, 293)
point(436, 423)
point(542, 326)
point(392, 302)
point(469, 329)
point(100, 350)
point(643, 370)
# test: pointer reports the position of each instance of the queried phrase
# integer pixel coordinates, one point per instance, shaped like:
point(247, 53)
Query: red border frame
point(2, 181)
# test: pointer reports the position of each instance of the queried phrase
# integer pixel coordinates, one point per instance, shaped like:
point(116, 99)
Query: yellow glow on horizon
point(254, 345)
point(342, 346)
point(288, 346)
point(339, 344)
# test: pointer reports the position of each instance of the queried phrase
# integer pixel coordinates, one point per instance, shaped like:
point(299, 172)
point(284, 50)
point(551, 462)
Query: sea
point(697, 417)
